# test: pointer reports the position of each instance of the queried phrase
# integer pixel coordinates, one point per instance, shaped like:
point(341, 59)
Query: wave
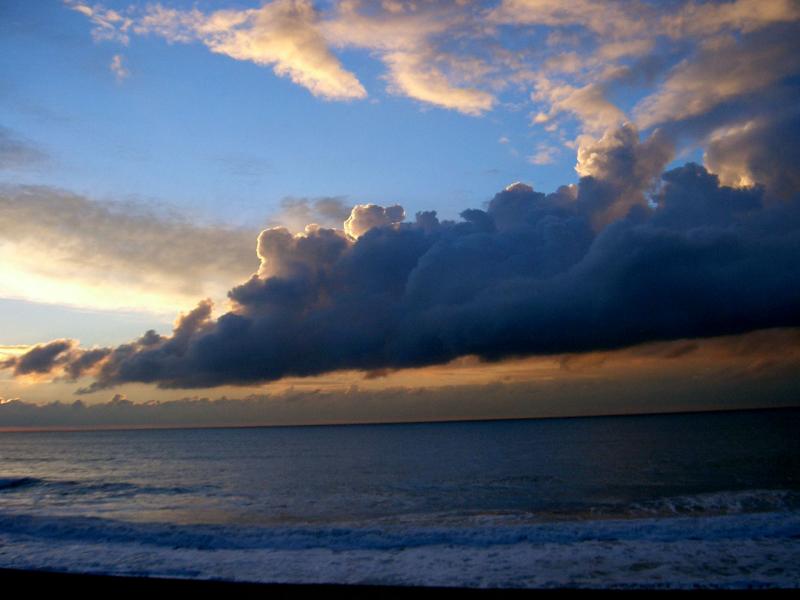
point(67, 486)
point(729, 502)
point(11, 483)
point(784, 525)
point(720, 503)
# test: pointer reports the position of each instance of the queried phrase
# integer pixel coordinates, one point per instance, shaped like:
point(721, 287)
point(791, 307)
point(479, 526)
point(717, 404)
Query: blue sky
point(225, 139)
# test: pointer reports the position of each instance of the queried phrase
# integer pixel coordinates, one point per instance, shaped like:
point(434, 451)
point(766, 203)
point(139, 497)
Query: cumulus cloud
point(620, 259)
point(296, 213)
point(620, 169)
point(761, 150)
point(369, 216)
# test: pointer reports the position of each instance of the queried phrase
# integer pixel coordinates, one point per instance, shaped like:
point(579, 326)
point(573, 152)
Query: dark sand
point(65, 583)
point(28, 583)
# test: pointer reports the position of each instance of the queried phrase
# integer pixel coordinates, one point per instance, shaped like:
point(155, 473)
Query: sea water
point(709, 500)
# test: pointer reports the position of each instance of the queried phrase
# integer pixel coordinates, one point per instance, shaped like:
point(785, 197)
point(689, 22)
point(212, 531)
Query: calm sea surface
point(669, 500)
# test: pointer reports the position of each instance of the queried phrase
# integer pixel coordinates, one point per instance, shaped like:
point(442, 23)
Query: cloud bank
point(756, 369)
point(629, 255)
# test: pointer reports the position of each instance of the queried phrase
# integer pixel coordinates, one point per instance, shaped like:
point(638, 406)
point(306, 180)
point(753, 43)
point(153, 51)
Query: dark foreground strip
point(30, 582)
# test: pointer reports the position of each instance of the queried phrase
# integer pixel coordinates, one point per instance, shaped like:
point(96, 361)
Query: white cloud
point(109, 25)
point(544, 155)
point(118, 68)
point(283, 34)
point(601, 63)
point(418, 77)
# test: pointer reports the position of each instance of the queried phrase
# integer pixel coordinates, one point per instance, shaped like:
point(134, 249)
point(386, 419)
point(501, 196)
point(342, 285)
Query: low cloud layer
point(752, 370)
point(625, 257)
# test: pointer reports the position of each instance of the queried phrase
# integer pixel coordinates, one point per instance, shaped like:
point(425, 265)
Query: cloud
point(619, 169)
point(17, 153)
point(369, 216)
point(708, 18)
point(544, 155)
point(417, 76)
point(296, 213)
point(296, 39)
point(722, 73)
point(59, 245)
point(118, 68)
point(761, 150)
point(408, 42)
point(42, 358)
point(718, 373)
point(283, 34)
point(109, 25)
point(589, 103)
point(606, 18)
point(631, 254)
point(612, 262)
point(463, 56)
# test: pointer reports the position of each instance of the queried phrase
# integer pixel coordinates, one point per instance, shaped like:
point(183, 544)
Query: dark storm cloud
point(84, 361)
point(734, 372)
point(620, 259)
point(43, 358)
point(56, 358)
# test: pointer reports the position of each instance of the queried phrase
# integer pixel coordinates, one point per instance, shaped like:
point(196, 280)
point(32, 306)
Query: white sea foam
point(748, 550)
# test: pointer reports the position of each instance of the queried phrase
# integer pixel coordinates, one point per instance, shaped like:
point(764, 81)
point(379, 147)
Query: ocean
point(672, 501)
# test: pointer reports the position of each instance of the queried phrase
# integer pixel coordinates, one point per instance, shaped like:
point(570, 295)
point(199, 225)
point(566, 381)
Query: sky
point(241, 213)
